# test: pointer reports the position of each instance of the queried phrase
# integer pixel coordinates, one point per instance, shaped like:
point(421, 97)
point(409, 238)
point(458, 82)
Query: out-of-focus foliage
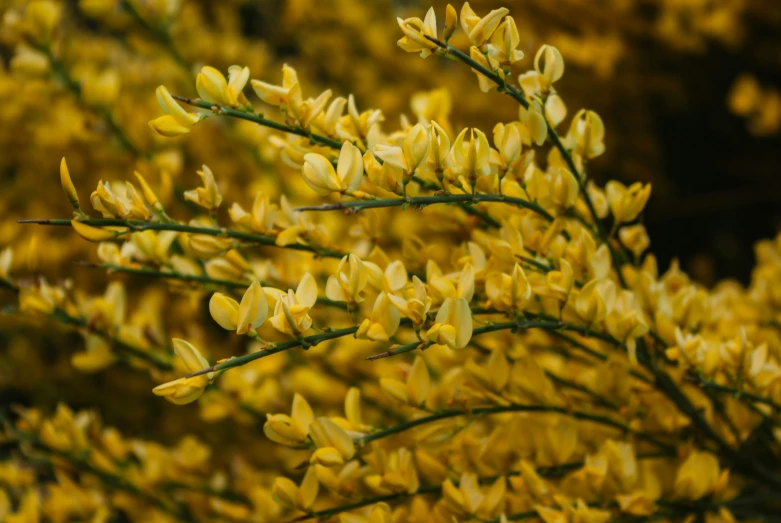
point(369, 291)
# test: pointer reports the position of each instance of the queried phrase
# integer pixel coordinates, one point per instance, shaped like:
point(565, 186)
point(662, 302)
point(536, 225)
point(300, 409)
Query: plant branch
point(422, 201)
point(137, 226)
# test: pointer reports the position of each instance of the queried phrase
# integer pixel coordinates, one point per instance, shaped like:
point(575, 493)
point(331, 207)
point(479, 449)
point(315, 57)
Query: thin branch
point(422, 201)
point(260, 120)
point(735, 393)
point(137, 226)
point(453, 413)
point(194, 278)
point(306, 342)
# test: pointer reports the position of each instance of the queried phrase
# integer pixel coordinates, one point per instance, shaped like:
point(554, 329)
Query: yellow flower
point(113, 204)
point(213, 87)
point(439, 148)
point(479, 30)
point(508, 292)
point(586, 134)
point(533, 121)
point(504, 43)
point(595, 300)
point(382, 323)
point(626, 202)
point(349, 282)
point(68, 187)
point(186, 390)
point(290, 496)
point(289, 97)
point(176, 121)
point(452, 325)
point(485, 83)
point(549, 64)
point(262, 218)
point(507, 139)
point(208, 196)
point(415, 32)
point(253, 309)
point(627, 322)
point(396, 473)
point(417, 303)
point(290, 430)
point(635, 238)
point(697, 476)
point(146, 190)
point(291, 312)
point(411, 155)
point(557, 283)
point(321, 177)
point(93, 234)
point(468, 498)
point(564, 188)
point(205, 246)
point(332, 442)
point(415, 391)
point(470, 158)
point(451, 21)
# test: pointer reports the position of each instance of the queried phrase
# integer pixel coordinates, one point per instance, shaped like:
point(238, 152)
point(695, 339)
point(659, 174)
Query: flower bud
point(68, 187)
point(451, 21)
point(93, 234)
point(224, 310)
point(253, 309)
point(549, 63)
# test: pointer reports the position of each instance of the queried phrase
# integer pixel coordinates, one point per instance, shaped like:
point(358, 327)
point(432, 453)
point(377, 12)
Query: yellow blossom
point(289, 97)
point(382, 323)
point(549, 64)
point(291, 312)
point(186, 390)
point(417, 303)
point(415, 31)
point(290, 430)
point(213, 87)
point(626, 202)
point(470, 158)
point(586, 134)
point(332, 442)
point(479, 30)
point(322, 178)
point(508, 292)
point(176, 121)
point(291, 496)
point(208, 196)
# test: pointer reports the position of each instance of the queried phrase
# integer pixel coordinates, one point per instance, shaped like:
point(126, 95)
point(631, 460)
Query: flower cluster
point(472, 328)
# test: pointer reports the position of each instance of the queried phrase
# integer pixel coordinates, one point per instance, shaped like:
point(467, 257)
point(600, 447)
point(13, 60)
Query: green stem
point(453, 413)
point(306, 341)
point(260, 120)
point(316, 138)
point(195, 278)
point(737, 393)
point(137, 226)
point(358, 205)
point(538, 322)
